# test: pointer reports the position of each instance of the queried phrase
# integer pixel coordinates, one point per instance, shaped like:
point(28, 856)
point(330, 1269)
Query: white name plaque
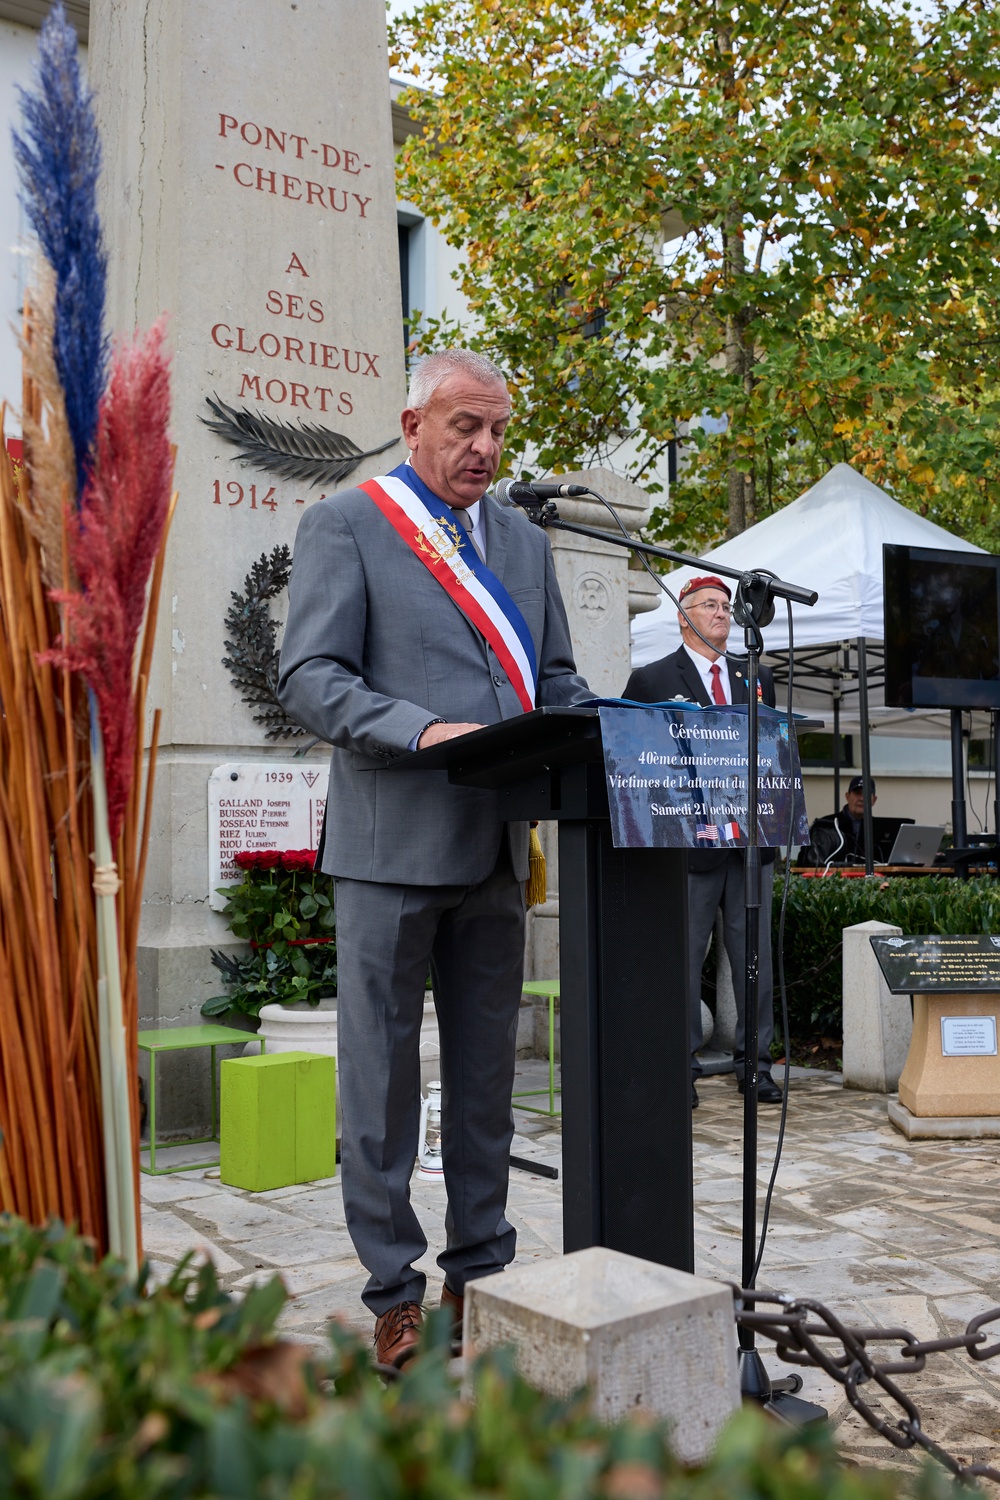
point(969, 1036)
point(261, 805)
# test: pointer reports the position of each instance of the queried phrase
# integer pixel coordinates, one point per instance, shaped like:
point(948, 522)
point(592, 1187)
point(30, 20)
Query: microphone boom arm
point(547, 516)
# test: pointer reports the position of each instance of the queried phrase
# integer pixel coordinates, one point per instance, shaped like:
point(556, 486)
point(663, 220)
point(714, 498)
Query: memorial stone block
point(877, 1023)
point(248, 193)
point(643, 1337)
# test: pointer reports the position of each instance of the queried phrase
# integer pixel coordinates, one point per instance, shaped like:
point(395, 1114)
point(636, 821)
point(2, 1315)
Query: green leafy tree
point(777, 215)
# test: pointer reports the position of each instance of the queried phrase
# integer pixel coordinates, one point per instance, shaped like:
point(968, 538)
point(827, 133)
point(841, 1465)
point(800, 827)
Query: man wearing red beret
point(700, 672)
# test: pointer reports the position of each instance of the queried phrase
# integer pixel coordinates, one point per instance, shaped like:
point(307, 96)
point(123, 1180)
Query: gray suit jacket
point(373, 649)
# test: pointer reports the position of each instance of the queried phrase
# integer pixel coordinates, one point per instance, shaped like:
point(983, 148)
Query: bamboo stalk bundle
point(49, 1105)
point(51, 1148)
point(82, 533)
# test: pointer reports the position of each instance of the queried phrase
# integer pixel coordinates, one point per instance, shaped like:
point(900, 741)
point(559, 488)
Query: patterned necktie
point(465, 520)
point(717, 690)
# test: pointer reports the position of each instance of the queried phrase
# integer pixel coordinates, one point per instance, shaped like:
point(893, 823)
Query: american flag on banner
point(730, 830)
point(708, 831)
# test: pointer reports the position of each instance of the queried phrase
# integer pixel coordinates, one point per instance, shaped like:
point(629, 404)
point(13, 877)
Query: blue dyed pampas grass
point(59, 158)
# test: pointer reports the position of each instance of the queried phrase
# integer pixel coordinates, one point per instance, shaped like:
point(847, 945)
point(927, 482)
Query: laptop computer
point(915, 844)
point(884, 831)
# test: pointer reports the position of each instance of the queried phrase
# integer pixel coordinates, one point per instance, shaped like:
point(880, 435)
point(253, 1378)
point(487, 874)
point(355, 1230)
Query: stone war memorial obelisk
point(248, 193)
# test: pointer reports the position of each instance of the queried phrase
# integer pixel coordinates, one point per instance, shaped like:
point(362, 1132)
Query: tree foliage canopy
point(781, 216)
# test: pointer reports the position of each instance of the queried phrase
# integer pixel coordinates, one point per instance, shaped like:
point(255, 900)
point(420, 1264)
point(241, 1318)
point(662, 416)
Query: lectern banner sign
point(937, 965)
point(677, 777)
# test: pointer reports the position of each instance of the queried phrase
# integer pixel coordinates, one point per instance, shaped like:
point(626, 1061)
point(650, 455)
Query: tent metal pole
point(836, 746)
point(866, 760)
point(996, 776)
point(958, 825)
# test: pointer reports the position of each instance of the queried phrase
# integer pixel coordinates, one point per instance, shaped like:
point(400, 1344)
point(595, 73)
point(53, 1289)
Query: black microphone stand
point(753, 608)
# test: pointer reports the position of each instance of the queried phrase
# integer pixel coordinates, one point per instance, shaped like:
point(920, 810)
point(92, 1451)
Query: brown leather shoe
point(397, 1334)
point(455, 1302)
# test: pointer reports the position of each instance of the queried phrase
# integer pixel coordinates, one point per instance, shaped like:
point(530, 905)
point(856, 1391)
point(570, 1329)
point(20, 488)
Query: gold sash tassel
point(534, 889)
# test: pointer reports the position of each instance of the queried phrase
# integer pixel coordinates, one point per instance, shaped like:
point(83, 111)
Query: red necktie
point(717, 692)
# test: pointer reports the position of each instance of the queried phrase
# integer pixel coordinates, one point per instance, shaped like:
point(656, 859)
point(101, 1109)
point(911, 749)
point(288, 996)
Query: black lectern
point(625, 1037)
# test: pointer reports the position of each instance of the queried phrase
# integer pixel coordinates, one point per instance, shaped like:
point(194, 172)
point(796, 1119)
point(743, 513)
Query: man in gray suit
point(420, 609)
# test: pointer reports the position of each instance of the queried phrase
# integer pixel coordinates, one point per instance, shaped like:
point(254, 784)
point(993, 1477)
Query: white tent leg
point(836, 747)
point(866, 759)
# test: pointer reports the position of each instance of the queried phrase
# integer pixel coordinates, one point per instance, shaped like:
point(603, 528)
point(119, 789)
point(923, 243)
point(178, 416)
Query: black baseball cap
point(857, 784)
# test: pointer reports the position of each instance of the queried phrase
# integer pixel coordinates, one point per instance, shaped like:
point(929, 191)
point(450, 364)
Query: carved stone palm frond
point(305, 453)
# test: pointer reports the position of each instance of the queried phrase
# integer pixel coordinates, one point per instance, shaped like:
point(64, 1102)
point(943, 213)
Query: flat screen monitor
point(942, 628)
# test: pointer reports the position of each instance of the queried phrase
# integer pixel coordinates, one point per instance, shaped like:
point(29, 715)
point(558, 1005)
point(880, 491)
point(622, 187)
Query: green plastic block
point(277, 1120)
point(315, 1117)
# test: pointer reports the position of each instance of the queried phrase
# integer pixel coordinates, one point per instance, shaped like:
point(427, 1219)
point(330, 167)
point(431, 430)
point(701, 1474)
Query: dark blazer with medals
point(676, 676)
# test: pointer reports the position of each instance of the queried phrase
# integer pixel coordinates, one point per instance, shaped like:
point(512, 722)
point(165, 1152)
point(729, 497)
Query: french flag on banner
point(730, 830)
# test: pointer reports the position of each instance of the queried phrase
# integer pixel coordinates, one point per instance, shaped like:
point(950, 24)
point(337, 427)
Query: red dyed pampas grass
point(113, 539)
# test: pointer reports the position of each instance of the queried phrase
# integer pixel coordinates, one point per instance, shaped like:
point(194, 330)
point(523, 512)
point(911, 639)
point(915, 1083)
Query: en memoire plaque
point(940, 965)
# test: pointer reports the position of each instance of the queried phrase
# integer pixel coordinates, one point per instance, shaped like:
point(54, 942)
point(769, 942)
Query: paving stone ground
point(886, 1232)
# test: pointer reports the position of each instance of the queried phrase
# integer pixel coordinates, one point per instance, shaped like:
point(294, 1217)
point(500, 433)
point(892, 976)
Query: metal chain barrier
point(796, 1324)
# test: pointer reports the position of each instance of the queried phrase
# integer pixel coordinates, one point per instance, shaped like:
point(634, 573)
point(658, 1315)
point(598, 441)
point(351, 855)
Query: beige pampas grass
point(48, 449)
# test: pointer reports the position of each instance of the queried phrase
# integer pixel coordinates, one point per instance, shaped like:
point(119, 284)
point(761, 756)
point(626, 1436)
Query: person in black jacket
point(839, 838)
point(700, 672)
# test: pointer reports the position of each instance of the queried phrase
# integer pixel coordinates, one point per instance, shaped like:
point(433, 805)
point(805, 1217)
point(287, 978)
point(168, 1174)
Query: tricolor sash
point(445, 548)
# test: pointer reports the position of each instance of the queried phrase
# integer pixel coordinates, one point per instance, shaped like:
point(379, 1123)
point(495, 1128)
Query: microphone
point(516, 492)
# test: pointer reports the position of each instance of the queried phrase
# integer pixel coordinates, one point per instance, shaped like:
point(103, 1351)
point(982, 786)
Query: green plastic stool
point(549, 987)
point(278, 1120)
point(182, 1039)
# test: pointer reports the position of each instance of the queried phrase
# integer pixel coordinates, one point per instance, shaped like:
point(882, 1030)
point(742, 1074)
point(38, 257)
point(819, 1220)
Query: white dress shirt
point(705, 669)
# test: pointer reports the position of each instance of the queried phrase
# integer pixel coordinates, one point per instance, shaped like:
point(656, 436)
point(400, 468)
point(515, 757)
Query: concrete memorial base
point(943, 1127)
point(877, 1024)
point(643, 1337)
point(953, 1069)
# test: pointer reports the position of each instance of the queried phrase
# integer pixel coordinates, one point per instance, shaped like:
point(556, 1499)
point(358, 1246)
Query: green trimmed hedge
point(112, 1391)
point(819, 910)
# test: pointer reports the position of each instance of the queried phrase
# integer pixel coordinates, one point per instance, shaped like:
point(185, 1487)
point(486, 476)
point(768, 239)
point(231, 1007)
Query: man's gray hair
point(433, 369)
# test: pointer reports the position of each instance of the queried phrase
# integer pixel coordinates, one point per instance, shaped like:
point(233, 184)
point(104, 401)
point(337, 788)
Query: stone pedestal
point(877, 1024)
point(602, 591)
point(954, 1087)
point(247, 192)
point(943, 1127)
point(643, 1337)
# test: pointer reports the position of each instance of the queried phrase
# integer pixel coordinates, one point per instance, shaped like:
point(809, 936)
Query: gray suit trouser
point(472, 940)
point(708, 890)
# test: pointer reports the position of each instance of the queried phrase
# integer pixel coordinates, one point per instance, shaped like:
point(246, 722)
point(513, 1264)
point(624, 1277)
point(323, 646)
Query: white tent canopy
point(830, 540)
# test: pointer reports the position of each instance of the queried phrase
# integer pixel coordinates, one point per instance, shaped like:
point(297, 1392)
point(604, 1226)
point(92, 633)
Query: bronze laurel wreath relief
point(252, 643)
point(306, 453)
